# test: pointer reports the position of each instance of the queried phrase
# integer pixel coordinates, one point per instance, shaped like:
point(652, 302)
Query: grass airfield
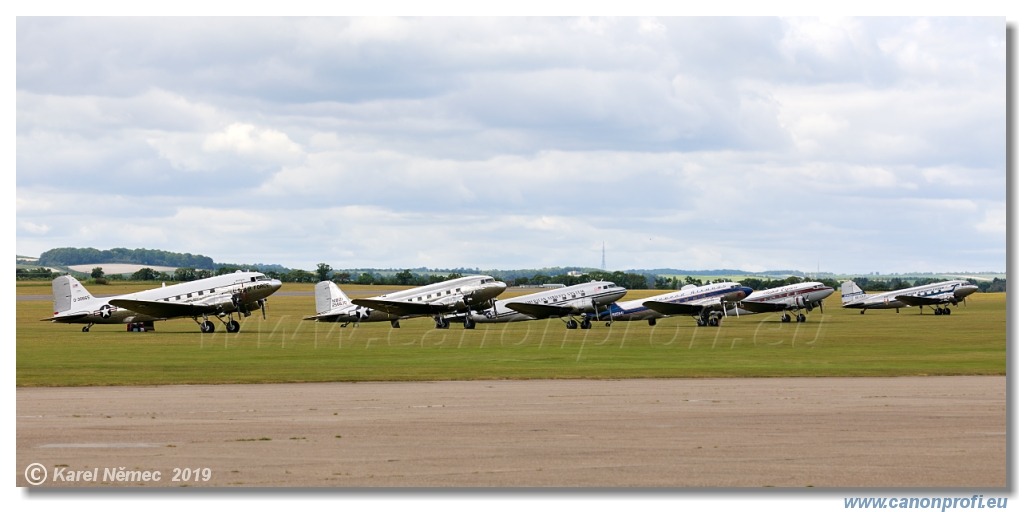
point(284, 348)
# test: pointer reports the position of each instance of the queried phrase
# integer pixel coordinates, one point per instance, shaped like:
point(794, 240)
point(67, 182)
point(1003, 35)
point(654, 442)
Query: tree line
point(68, 256)
point(190, 267)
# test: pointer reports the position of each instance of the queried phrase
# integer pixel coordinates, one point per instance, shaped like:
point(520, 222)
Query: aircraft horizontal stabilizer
point(66, 318)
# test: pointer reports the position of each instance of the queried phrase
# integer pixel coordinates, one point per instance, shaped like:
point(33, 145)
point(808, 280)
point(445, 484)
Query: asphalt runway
point(920, 432)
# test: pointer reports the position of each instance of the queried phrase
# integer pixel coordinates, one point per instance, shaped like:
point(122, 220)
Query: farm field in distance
point(284, 348)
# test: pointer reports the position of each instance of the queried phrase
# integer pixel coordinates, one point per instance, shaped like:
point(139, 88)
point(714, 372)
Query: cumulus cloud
point(388, 142)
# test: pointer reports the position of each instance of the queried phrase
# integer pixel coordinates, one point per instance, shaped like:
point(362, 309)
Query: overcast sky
point(845, 145)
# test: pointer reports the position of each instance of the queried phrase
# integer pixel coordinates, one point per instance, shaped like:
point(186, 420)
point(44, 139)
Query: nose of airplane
point(275, 284)
point(965, 290)
point(739, 293)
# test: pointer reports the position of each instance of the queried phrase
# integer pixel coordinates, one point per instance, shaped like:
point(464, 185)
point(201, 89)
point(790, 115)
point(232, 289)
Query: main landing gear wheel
point(442, 323)
point(571, 324)
point(585, 324)
point(468, 323)
point(233, 326)
point(206, 327)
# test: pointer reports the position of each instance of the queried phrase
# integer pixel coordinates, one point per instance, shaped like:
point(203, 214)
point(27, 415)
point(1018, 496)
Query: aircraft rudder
point(66, 291)
point(851, 292)
point(329, 296)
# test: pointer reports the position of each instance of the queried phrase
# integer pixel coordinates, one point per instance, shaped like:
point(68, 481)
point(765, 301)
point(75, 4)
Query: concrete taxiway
point(647, 433)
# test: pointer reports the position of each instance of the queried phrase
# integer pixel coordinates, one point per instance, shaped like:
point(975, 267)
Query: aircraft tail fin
point(67, 291)
point(851, 292)
point(329, 296)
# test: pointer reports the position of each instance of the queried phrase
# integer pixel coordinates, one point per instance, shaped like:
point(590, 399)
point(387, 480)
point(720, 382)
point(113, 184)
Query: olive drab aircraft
point(219, 297)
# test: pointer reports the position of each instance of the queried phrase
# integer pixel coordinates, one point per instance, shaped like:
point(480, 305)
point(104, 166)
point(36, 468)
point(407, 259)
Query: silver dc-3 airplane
point(791, 297)
point(706, 303)
point(935, 296)
point(569, 301)
point(438, 300)
point(217, 297)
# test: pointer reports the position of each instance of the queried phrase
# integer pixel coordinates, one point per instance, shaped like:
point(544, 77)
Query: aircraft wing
point(403, 308)
point(913, 300)
point(540, 310)
point(159, 309)
point(674, 308)
point(339, 317)
point(763, 307)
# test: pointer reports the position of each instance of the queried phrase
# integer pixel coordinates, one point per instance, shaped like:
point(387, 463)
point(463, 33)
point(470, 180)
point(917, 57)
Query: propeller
point(597, 310)
point(238, 300)
point(725, 307)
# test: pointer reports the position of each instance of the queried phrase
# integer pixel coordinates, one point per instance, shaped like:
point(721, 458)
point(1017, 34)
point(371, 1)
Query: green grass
point(283, 348)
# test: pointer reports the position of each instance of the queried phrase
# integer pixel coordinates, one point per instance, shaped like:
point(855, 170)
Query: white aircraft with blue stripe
point(707, 304)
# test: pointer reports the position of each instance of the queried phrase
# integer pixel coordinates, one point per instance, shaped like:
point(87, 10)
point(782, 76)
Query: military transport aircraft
point(218, 297)
point(458, 295)
point(791, 297)
point(333, 305)
point(934, 295)
point(706, 303)
point(569, 301)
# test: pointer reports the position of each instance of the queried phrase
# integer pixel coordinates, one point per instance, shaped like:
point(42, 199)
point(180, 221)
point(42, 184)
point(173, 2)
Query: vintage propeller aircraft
point(219, 297)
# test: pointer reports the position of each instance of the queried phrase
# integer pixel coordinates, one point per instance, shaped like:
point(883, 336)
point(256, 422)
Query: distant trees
point(35, 273)
point(68, 256)
point(323, 271)
point(191, 274)
point(299, 276)
point(191, 267)
point(148, 274)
